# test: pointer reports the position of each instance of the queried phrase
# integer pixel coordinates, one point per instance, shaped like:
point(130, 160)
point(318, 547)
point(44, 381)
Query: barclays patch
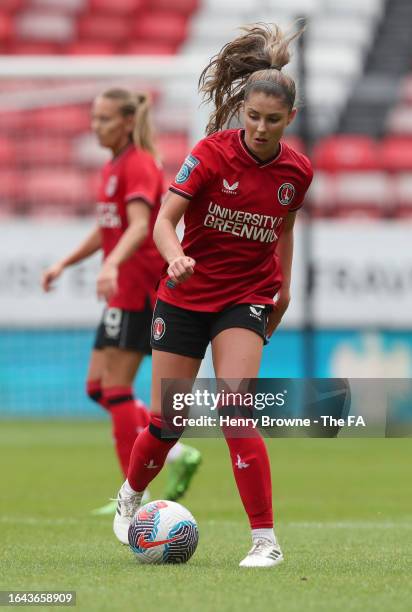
point(187, 168)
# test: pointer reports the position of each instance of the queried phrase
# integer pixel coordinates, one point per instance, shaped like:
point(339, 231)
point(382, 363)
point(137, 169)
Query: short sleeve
point(301, 190)
point(142, 179)
point(195, 171)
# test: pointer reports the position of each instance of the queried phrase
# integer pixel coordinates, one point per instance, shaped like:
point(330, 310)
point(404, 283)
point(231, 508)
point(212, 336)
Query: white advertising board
point(361, 272)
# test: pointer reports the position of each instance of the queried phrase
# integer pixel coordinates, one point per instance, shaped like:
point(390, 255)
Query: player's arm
point(284, 252)
point(173, 208)
point(138, 216)
point(88, 247)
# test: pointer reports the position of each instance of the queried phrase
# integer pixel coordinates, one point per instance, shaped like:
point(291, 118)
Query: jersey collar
point(122, 152)
point(251, 156)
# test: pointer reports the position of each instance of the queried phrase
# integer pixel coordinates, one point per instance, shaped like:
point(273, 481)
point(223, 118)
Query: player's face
point(110, 126)
point(265, 119)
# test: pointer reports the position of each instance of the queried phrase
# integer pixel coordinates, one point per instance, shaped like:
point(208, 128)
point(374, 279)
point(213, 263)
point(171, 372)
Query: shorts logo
point(159, 328)
point(256, 311)
point(187, 168)
point(286, 193)
point(111, 186)
point(231, 189)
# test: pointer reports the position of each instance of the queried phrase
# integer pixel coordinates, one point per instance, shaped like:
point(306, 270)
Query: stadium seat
point(43, 151)
point(103, 27)
point(19, 47)
point(11, 6)
point(6, 27)
point(7, 151)
point(11, 182)
point(346, 152)
point(117, 7)
point(321, 195)
point(163, 27)
point(34, 25)
point(185, 7)
point(406, 91)
point(61, 120)
point(86, 47)
point(366, 194)
point(173, 150)
point(59, 190)
point(396, 154)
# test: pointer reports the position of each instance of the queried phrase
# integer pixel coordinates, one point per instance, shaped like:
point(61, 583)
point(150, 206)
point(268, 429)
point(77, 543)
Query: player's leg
point(94, 377)
point(128, 415)
point(151, 447)
point(236, 355)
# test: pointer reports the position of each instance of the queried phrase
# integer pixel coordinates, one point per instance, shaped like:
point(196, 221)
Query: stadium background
point(352, 287)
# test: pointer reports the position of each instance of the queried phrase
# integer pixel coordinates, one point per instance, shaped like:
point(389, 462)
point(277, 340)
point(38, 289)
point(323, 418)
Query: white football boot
point(264, 553)
point(127, 505)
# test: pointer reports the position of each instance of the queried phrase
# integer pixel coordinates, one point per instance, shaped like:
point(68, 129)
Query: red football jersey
point(234, 220)
point(132, 175)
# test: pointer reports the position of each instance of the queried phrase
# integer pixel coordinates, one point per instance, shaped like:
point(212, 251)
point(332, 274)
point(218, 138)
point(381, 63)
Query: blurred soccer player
point(129, 201)
point(239, 191)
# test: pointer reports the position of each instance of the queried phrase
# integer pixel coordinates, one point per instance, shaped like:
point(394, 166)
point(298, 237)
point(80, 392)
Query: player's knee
point(94, 391)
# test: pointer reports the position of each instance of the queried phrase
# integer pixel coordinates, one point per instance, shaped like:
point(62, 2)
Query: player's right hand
point(50, 275)
point(181, 268)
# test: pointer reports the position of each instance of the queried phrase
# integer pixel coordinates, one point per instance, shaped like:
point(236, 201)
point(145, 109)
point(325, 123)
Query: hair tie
point(275, 67)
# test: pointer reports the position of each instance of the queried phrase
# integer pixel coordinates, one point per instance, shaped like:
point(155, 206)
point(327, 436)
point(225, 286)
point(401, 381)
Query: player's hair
point(252, 62)
point(138, 105)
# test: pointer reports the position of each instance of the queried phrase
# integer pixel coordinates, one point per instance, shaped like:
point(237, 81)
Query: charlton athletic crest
point(111, 186)
point(286, 193)
point(159, 328)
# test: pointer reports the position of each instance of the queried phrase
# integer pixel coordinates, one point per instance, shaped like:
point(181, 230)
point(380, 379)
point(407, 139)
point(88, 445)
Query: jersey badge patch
point(286, 193)
point(187, 168)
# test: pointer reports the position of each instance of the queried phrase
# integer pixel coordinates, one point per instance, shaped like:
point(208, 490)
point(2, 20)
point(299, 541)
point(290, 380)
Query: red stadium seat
point(12, 122)
point(186, 7)
point(18, 47)
point(173, 149)
point(85, 47)
point(105, 28)
point(61, 120)
point(43, 151)
point(7, 151)
point(58, 190)
point(396, 154)
point(321, 195)
point(163, 27)
point(344, 152)
point(10, 187)
point(118, 7)
point(11, 6)
point(366, 194)
point(6, 27)
point(295, 142)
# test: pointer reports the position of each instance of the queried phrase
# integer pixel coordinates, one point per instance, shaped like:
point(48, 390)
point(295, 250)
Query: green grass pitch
point(343, 518)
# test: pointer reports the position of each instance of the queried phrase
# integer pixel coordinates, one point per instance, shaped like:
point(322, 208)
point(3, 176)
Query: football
point(163, 532)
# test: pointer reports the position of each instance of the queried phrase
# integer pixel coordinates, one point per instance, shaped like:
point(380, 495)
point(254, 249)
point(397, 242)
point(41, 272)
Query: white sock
point(268, 534)
point(175, 452)
point(127, 489)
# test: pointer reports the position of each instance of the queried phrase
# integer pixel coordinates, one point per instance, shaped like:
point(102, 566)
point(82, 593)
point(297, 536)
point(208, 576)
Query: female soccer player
point(129, 200)
point(239, 191)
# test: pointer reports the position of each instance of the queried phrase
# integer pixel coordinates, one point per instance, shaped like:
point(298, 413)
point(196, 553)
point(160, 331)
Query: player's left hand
point(107, 281)
point(280, 306)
